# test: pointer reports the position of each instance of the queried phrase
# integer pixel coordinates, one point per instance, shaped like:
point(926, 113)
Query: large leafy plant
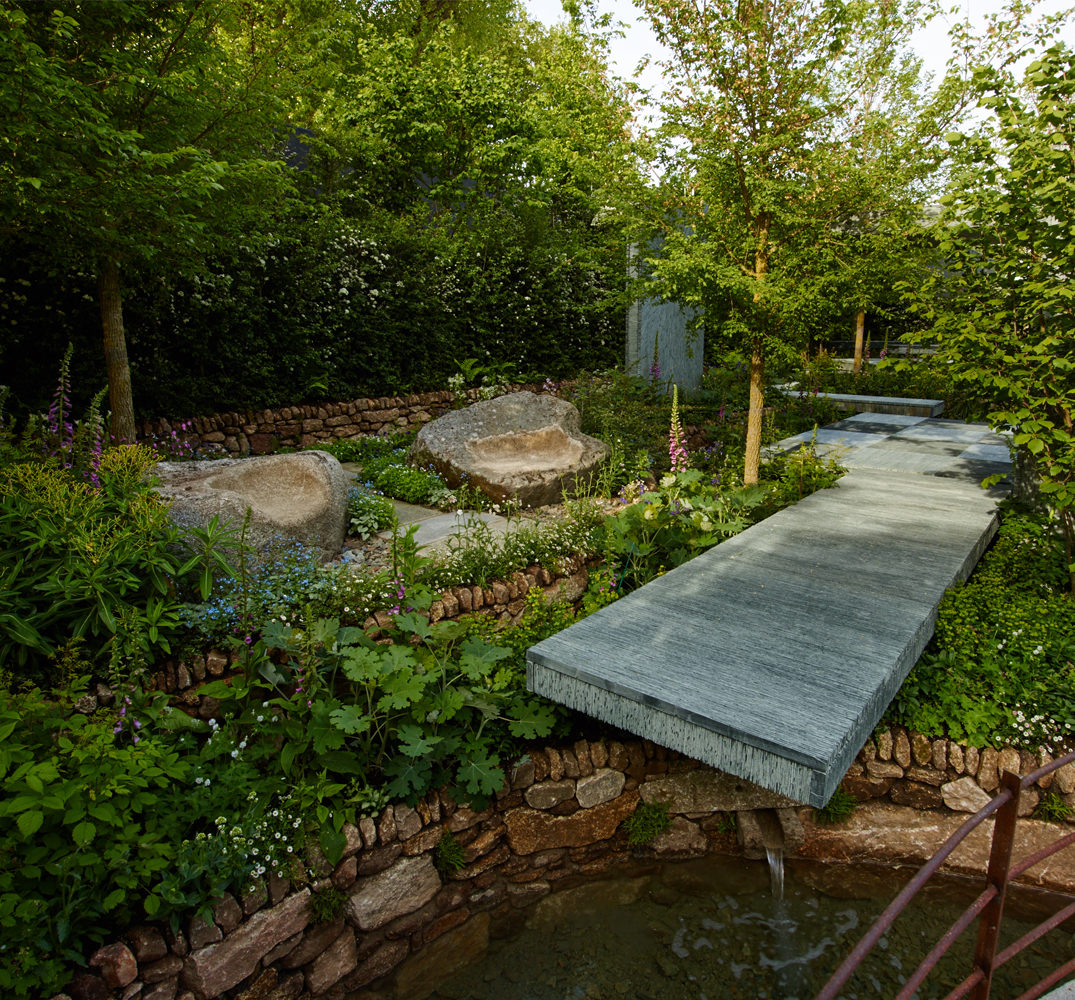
point(101, 564)
point(686, 515)
point(345, 712)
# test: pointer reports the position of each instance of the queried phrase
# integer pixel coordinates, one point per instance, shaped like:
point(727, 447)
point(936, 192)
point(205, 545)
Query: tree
point(138, 132)
point(797, 145)
point(449, 123)
point(1002, 300)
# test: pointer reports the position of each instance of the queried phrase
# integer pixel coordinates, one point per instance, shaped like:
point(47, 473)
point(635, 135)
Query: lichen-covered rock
point(520, 446)
point(302, 497)
point(964, 796)
point(530, 831)
point(211, 970)
point(406, 886)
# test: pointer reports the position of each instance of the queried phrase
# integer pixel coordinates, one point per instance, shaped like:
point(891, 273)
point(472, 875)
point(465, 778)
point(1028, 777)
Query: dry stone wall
point(261, 432)
point(504, 600)
point(404, 924)
point(913, 770)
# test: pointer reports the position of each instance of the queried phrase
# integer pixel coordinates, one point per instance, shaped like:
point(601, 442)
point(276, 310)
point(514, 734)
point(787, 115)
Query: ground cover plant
point(1001, 666)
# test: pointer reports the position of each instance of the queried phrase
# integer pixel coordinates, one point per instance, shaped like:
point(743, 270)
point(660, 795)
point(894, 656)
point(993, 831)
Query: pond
point(720, 929)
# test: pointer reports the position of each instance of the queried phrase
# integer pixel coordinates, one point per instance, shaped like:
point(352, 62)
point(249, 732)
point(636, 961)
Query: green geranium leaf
point(480, 774)
point(351, 720)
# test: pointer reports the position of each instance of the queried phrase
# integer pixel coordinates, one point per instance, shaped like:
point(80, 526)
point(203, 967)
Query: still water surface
point(712, 929)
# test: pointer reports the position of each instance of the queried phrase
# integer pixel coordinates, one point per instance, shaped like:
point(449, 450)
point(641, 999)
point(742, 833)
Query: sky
point(930, 43)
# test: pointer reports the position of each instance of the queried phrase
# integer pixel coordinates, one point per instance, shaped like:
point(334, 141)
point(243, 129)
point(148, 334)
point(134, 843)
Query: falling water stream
point(775, 857)
point(730, 929)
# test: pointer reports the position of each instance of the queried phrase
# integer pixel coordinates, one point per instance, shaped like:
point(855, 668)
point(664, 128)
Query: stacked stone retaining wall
point(403, 924)
point(261, 432)
point(913, 770)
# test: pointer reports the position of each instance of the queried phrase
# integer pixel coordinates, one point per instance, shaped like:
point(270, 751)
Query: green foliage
point(363, 449)
point(395, 478)
point(801, 473)
point(1002, 304)
point(100, 564)
point(1001, 665)
point(162, 167)
point(288, 582)
point(448, 856)
point(476, 555)
point(326, 904)
point(429, 707)
point(540, 618)
point(1053, 808)
point(646, 822)
point(368, 513)
point(791, 117)
point(106, 820)
point(685, 515)
point(841, 805)
point(624, 409)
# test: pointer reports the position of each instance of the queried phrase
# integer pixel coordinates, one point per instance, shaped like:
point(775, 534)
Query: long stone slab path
point(773, 655)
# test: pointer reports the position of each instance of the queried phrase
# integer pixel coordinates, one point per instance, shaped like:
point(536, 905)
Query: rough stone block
point(409, 884)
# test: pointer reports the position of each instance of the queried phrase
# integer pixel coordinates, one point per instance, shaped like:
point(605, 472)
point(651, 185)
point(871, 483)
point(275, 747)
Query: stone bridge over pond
point(773, 655)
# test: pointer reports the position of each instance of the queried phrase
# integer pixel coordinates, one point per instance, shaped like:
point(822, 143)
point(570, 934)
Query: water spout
point(775, 857)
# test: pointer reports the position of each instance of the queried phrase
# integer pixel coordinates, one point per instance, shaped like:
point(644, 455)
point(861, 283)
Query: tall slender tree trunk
point(120, 396)
point(755, 413)
point(860, 330)
point(757, 365)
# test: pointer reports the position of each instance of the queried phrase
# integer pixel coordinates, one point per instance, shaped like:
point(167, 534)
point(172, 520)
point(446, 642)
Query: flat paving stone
point(899, 443)
point(773, 655)
point(436, 531)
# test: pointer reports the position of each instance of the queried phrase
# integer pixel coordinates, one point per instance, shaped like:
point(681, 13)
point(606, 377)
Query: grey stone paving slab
point(436, 532)
point(773, 655)
point(890, 421)
point(409, 513)
point(885, 404)
point(946, 430)
point(902, 460)
point(1000, 453)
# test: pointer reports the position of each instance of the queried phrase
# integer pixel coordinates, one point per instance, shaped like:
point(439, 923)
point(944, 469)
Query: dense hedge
point(325, 308)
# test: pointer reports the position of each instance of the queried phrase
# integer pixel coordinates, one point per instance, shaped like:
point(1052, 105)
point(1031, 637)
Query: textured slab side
point(886, 404)
point(773, 655)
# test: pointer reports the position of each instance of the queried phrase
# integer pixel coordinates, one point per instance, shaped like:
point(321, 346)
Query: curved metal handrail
point(987, 907)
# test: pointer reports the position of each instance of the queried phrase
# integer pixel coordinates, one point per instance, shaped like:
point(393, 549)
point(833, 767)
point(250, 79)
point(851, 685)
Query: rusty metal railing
point(988, 907)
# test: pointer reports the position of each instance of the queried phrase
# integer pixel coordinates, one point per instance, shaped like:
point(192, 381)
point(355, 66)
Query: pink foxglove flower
point(677, 447)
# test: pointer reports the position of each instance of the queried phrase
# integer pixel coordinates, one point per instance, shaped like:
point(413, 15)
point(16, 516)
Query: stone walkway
point(773, 655)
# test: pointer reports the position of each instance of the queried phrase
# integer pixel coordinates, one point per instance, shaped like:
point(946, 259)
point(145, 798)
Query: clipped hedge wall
point(322, 308)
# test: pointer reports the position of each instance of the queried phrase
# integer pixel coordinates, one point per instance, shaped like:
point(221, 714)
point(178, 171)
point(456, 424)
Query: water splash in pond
point(712, 929)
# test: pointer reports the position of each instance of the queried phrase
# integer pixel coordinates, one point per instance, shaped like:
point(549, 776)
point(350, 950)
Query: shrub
point(476, 555)
point(426, 708)
point(685, 515)
point(1002, 664)
point(368, 512)
point(106, 821)
point(99, 564)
